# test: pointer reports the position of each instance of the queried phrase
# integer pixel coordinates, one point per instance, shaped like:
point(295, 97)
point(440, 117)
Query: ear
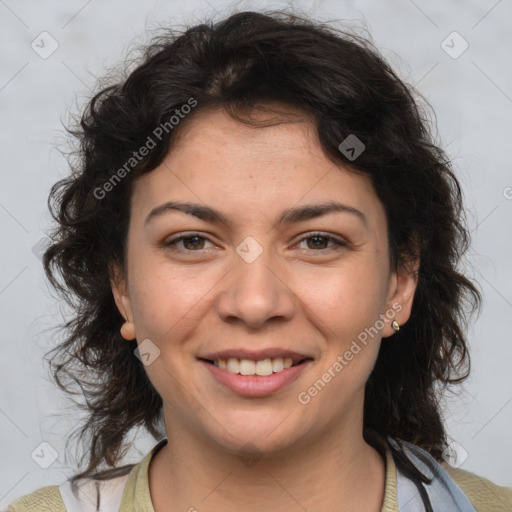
point(119, 285)
point(402, 286)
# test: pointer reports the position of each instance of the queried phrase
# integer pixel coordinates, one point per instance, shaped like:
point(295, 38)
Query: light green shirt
point(483, 494)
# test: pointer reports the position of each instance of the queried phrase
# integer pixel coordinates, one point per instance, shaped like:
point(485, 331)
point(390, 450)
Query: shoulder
point(128, 492)
point(45, 499)
point(483, 494)
point(62, 498)
point(454, 485)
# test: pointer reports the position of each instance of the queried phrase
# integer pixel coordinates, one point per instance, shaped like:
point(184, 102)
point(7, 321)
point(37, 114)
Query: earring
point(128, 331)
point(395, 325)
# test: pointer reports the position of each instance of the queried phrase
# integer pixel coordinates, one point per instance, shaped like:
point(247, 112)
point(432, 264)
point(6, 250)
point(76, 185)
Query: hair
point(252, 60)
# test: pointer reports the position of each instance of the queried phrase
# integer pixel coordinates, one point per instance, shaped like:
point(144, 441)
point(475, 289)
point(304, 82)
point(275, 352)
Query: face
point(253, 275)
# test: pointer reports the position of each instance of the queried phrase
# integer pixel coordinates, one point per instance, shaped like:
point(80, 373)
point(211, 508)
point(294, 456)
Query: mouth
point(256, 378)
point(256, 373)
point(259, 367)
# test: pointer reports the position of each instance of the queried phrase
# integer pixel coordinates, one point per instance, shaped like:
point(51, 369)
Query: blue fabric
point(445, 495)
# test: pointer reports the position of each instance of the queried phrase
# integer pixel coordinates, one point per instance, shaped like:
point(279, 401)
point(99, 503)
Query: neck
point(191, 473)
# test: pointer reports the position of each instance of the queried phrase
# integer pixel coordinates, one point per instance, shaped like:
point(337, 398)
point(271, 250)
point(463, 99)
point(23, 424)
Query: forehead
point(240, 168)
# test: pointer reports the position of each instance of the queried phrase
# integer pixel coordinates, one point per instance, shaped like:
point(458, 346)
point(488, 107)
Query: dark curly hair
point(244, 61)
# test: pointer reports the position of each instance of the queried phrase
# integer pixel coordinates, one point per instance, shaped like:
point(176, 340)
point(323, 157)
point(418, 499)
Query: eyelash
point(329, 238)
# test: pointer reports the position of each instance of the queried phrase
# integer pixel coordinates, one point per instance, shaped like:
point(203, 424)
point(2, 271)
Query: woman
point(263, 240)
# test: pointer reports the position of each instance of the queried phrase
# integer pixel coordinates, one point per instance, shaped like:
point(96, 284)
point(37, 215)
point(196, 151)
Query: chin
point(257, 435)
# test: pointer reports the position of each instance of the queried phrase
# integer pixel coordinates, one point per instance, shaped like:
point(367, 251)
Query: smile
point(263, 367)
point(255, 378)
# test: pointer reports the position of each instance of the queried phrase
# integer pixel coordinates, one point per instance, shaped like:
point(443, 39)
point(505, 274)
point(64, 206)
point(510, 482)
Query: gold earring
point(128, 331)
point(395, 325)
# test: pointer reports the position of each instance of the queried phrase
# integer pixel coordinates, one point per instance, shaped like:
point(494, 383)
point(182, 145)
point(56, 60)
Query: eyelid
point(176, 239)
point(338, 242)
point(328, 236)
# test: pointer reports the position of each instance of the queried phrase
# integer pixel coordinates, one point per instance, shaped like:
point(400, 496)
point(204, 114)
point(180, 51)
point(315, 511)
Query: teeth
point(233, 365)
point(247, 367)
point(263, 367)
point(278, 364)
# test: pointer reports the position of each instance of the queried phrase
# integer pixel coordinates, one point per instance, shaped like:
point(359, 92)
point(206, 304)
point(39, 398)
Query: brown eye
point(319, 242)
point(190, 243)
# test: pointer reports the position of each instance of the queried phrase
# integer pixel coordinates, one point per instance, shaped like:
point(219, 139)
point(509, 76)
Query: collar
point(136, 496)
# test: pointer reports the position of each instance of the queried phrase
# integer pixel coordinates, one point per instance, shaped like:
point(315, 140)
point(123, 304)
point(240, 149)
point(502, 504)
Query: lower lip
point(256, 385)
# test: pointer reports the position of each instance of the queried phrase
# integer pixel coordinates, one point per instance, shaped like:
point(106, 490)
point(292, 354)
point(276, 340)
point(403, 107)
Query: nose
point(255, 292)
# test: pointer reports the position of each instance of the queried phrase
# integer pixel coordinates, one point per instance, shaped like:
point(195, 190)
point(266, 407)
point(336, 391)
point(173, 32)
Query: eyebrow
point(289, 216)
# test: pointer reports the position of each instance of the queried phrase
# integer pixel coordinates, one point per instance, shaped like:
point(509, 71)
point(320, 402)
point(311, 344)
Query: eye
point(194, 242)
point(321, 240)
point(191, 242)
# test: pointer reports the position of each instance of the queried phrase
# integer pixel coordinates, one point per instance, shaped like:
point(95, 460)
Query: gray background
point(471, 95)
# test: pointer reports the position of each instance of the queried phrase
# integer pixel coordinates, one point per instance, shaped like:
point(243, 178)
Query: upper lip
point(256, 355)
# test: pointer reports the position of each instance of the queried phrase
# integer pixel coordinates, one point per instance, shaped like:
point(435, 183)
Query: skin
point(309, 296)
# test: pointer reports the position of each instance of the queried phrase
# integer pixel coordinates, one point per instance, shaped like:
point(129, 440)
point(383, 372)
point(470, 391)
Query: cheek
point(344, 304)
point(344, 299)
point(165, 297)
